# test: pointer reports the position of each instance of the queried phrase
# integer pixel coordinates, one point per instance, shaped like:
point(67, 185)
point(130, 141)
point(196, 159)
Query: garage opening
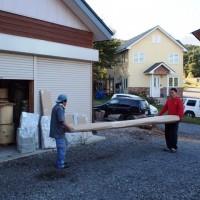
point(16, 96)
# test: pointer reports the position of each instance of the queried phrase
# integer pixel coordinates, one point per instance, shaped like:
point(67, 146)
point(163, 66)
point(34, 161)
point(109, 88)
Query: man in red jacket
point(174, 106)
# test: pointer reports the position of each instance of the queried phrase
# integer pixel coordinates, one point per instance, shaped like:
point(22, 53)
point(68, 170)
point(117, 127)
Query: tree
point(196, 62)
point(191, 63)
point(107, 58)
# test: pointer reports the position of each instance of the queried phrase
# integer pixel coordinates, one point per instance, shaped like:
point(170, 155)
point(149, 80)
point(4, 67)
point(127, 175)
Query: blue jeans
point(61, 145)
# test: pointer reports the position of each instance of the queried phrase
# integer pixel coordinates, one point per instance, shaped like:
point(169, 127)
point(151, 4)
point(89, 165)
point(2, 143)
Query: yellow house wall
point(153, 53)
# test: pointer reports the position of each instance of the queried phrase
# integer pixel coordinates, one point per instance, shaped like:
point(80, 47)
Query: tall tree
point(192, 61)
point(107, 50)
point(196, 63)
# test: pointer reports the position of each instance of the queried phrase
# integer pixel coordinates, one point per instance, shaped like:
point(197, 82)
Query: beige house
point(151, 62)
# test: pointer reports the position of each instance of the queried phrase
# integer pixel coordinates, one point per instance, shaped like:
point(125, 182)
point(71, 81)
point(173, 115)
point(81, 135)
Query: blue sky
point(130, 17)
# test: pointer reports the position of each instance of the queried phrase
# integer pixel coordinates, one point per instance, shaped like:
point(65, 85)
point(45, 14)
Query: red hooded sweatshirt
point(174, 107)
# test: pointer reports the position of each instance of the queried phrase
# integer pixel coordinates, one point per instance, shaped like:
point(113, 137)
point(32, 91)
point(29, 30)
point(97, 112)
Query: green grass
point(100, 101)
point(195, 120)
point(191, 85)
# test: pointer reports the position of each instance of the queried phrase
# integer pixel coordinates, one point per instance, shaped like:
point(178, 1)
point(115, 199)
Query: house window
point(156, 39)
point(138, 57)
point(125, 83)
point(123, 58)
point(173, 82)
point(174, 58)
point(154, 82)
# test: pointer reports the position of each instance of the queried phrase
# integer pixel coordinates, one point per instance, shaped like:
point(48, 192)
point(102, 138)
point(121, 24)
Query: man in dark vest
point(58, 127)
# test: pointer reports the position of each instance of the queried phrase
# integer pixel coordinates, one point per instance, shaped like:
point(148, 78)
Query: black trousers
point(171, 135)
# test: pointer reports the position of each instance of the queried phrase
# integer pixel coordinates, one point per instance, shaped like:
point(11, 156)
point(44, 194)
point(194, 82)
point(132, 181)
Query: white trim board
point(45, 48)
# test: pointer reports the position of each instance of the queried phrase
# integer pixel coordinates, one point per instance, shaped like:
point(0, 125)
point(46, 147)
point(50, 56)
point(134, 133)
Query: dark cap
point(61, 98)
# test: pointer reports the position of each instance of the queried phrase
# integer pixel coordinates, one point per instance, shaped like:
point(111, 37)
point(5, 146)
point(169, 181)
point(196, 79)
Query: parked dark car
point(125, 106)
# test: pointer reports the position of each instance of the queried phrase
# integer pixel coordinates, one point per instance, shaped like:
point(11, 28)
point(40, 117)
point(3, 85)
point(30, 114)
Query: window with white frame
point(138, 57)
point(174, 58)
point(173, 82)
point(156, 39)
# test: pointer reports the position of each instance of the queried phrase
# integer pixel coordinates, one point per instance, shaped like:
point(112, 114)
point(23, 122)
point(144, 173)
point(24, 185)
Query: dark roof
point(133, 40)
point(197, 34)
point(137, 38)
point(111, 32)
point(157, 65)
point(88, 16)
point(181, 43)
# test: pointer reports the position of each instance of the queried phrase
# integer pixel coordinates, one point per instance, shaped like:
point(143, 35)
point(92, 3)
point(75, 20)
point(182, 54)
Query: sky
point(130, 17)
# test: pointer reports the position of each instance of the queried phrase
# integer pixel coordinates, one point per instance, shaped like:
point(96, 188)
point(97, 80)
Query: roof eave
point(158, 27)
point(197, 34)
point(121, 50)
point(152, 72)
point(171, 71)
point(90, 19)
point(175, 41)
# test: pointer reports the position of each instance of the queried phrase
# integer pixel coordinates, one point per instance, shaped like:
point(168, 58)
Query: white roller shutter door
point(16, 66)
point(70, 77)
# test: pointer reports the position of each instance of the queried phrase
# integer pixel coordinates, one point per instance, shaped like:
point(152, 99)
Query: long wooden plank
point(122, 124)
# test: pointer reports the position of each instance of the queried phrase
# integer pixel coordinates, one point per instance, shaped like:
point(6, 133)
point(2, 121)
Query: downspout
point(35, 82)
point(167, 88)
point(93, 118)
point(151, 85)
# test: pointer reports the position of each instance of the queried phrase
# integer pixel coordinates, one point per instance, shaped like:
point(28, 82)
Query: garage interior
point(16, 96)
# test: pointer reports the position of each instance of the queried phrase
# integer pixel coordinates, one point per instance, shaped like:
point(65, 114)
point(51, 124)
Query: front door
point(156, 86)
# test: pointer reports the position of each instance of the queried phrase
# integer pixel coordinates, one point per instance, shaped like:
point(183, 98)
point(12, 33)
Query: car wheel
point(190, 114)
point(130, 117)
point(122, 117)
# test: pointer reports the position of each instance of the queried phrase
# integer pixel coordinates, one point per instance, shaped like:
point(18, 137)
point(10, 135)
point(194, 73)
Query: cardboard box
point(3, 93)
point(6, 113)
point(7, 135)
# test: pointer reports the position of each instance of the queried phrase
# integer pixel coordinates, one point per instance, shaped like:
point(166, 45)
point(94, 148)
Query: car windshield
point(147, 104)
point(113, 102)
point(184, 100)
point(144, 104)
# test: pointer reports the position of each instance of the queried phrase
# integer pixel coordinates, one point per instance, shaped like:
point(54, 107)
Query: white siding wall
point(16, 66)
point(54, 11)
point(73, 78)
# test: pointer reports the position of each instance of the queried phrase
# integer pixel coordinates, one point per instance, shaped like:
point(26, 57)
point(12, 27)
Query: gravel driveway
point(128, 165)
